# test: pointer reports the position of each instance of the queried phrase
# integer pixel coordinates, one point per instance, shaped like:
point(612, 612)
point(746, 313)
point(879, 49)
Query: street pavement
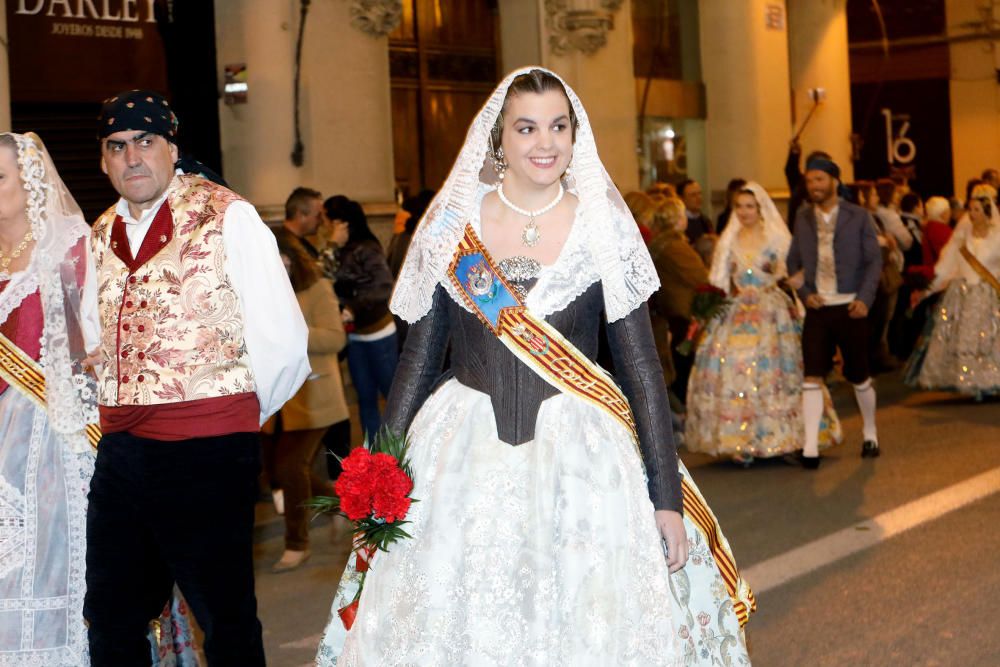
point(896, 557)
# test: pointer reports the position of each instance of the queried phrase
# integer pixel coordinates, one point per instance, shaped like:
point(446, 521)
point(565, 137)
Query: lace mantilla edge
point(617, 253)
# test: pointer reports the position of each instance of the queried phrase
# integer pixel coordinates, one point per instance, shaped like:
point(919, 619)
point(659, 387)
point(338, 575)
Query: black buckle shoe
point(810, 462)
point(869, 449)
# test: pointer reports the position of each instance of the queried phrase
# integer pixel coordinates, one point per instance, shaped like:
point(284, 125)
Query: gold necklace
point(5, 260)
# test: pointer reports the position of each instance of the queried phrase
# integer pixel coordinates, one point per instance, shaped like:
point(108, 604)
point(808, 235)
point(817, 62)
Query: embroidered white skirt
point(963, 347)
point(43, 513)
point(542, 554)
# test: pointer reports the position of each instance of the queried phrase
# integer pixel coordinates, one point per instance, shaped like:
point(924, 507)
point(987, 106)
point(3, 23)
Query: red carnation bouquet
point(709, 303)
point(373, 491)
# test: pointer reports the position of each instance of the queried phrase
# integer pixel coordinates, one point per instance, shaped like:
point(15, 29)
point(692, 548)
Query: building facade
point(378, 93)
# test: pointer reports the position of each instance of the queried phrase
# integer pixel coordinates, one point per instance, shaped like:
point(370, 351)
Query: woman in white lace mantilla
point(45, 457)
point(540, 537)
point(745, 392)
point(960, 349)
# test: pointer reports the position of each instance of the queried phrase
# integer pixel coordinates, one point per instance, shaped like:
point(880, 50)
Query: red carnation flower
point(391, 487)
point(355, 485)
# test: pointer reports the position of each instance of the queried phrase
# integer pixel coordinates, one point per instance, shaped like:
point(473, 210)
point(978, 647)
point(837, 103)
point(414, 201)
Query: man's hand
point(814, 301)
point(857, 309)
point(671, 525)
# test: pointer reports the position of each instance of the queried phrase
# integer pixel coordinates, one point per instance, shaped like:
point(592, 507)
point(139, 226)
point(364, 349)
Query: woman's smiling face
point(537, 137)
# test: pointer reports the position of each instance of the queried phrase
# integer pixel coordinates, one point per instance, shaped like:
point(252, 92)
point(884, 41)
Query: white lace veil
point(611, 235)
point(57, 265)
point(775, 230)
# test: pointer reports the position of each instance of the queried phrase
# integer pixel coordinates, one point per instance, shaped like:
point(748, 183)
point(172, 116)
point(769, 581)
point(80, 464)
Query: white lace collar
point(559, 283)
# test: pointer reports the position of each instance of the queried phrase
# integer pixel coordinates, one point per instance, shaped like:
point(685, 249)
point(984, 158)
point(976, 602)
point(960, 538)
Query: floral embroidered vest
point(171, 321)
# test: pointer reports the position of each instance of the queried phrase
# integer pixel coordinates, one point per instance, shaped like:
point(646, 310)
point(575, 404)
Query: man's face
point(140, 165)
point(692, 197)
point(821, 186)
point(312, 217)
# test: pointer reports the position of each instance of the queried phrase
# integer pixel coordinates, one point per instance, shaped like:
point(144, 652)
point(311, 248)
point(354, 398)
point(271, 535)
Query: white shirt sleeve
point(274, 330)
point(948, 266)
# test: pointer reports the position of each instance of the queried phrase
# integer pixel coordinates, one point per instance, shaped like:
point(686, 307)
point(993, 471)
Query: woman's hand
point(671, 526)
point(92, 362)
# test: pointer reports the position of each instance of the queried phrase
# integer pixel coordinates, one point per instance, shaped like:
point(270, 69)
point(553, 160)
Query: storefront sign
point(82, 50)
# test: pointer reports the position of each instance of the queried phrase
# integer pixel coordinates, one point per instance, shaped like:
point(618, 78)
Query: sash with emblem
point(980, 269)
point(548, 353)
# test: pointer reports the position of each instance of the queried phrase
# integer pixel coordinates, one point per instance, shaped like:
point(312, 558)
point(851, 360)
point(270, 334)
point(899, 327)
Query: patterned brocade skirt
point(960, 350)
point(745, 392)
point(546, 553)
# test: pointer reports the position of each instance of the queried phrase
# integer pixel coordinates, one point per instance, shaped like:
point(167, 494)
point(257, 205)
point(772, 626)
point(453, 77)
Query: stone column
point(5, 115)
point(345, 109)
point(605, 82)
point(818, 58)
point(744, 66)
point(975, 95)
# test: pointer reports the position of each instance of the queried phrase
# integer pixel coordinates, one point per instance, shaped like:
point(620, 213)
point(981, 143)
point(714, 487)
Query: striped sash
point(25, 375)
point(556, 360)
point(980, 269)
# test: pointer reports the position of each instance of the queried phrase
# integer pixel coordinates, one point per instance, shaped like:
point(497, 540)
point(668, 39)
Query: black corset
point(480, 361)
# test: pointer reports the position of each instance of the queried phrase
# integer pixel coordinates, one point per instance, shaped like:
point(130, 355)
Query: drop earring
point(498, 163)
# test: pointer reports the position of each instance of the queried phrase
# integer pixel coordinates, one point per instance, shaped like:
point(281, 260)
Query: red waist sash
point(203, 418)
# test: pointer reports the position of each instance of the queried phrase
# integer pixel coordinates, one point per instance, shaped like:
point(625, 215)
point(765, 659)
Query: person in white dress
point(961, 349)
point(539, 538)
point(45, 458)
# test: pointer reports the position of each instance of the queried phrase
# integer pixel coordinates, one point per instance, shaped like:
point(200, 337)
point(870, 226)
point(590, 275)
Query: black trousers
point(162, 512)
point(825, 330)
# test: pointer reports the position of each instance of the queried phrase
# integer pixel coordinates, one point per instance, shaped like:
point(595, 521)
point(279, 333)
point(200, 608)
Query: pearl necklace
point(530, 236)
point(5, 260)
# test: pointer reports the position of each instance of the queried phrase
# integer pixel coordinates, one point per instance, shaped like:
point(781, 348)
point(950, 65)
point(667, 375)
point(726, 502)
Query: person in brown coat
point(680, 270)
point(298, 428)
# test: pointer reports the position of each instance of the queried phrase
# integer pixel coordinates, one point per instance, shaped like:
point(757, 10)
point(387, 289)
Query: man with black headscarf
point(200, 340)
point(836, 246)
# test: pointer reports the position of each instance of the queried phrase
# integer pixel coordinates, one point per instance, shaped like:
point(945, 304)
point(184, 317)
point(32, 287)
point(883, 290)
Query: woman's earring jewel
point(498, 163)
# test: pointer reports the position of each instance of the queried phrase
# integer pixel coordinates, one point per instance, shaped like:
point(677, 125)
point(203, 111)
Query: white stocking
point(812, 414)
point(864, 394)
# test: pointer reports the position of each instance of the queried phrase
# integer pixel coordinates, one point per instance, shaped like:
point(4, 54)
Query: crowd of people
point(191, 345)
point(859, 279)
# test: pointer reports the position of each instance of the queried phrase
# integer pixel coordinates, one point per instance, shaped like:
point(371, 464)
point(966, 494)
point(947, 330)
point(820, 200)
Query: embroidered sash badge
point(481, 283)
point(539, 344)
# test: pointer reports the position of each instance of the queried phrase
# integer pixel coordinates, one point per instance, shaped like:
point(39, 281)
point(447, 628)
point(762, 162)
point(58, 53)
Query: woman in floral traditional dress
point(745, 393)
point(537, 538)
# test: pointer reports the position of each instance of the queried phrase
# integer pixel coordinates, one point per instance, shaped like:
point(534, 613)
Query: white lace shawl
point(607, 235)
point(57, 225)
point(775, 230)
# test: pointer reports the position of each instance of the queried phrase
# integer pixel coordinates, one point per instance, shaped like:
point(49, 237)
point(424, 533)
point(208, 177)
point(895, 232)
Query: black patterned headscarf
point(141, 110)
point(144, 110)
